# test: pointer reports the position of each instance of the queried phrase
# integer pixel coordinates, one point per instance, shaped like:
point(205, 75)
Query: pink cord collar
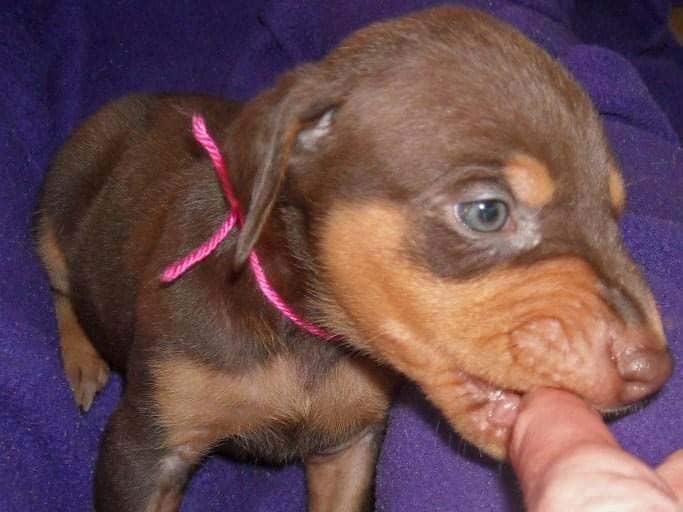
point(234, 216)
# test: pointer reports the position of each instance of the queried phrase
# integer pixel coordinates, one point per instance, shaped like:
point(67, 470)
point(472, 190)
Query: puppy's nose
point(644, 371)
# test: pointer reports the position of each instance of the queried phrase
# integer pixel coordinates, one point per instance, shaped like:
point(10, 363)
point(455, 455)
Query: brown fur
point(676, 23)
point(339, 479)
point(351, 170)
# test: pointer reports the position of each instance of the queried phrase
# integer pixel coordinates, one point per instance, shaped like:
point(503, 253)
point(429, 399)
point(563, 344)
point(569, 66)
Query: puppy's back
point(107, 199)
point(82, 166)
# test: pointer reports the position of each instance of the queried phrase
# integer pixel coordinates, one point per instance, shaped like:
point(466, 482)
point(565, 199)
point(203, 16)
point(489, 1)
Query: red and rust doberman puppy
point(437, 192)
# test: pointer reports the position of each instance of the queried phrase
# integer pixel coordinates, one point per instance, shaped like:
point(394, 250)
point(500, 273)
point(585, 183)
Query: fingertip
point(552, 422)
point(560, 449)
point(540, 412)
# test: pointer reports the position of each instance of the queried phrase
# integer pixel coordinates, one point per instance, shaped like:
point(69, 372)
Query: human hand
point(567, 460)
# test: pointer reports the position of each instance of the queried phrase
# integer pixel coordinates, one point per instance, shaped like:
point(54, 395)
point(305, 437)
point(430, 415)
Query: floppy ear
point(277, 123)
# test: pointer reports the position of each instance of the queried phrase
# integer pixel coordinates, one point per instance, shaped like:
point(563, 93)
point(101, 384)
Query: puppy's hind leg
point(85, 370)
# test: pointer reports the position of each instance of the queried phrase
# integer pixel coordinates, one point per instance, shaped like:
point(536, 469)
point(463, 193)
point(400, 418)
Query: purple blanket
point(60, 61)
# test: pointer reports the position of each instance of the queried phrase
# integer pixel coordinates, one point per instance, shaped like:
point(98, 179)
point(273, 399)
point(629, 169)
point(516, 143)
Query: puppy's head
point(459, 205)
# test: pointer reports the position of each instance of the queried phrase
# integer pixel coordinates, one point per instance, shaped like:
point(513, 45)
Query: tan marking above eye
point(617, 191)
point(530, 180)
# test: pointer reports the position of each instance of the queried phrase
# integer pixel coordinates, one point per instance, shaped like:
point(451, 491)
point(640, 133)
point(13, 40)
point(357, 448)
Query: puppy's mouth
point(491, 410)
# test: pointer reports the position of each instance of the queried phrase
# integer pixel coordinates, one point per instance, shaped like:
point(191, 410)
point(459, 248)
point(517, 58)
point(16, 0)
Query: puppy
point(437, 194)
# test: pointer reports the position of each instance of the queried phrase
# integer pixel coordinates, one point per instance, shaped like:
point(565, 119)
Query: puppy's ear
point(276, 123)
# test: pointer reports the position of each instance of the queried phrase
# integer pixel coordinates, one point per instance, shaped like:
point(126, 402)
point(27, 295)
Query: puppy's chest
point(275, 411)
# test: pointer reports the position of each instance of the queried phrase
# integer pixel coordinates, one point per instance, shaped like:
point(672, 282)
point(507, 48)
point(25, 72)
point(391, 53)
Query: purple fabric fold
point(61, 60)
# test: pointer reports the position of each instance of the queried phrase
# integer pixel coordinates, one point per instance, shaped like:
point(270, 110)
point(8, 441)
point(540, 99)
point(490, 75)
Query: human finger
point(566, 459)
point(671, 470)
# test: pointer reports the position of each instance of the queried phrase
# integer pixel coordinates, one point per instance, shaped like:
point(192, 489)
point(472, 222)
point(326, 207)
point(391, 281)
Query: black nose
point(644, 371)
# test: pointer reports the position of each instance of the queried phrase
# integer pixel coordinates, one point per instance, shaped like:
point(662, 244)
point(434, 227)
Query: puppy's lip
point(504, 408)
point(614, 413)
point(493, 406)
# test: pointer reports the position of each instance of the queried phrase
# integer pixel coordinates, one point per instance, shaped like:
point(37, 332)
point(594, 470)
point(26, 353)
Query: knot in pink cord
point(234, 216)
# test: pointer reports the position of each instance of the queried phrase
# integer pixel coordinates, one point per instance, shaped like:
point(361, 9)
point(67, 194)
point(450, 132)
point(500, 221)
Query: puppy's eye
point(484, 216)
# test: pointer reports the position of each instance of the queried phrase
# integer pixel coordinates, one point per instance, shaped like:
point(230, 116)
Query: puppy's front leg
point(137, 470)
point(343, 481)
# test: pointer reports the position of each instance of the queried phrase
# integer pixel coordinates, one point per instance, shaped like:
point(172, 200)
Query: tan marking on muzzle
point(516, 328)
point(530, 180)
point(363, 250)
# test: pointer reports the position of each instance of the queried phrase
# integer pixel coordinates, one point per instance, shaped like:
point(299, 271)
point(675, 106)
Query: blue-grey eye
point(485, 216)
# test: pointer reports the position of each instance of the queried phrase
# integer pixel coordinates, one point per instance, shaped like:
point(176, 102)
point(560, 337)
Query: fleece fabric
point(60, 60)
